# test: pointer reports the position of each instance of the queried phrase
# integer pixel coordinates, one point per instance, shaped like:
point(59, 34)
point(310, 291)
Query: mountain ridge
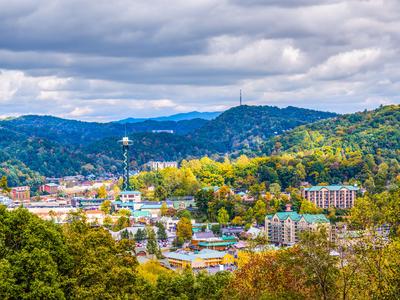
point(175, 117)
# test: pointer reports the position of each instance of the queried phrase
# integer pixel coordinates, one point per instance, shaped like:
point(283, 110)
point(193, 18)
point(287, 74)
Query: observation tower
point(125, 142)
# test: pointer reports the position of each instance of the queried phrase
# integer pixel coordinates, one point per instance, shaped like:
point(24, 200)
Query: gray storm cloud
point(107, 60)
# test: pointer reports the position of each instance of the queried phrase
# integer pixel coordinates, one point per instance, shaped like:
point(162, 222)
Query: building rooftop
point(317, 188)
point(211, 188)
point(309, 218)
point(151, 206)
point(138, 214)
point(191, 256)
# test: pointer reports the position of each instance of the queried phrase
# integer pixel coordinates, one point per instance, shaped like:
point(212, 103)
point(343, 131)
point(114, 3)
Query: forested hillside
point(57, 147)
point(370, 132)
point(245, 128)
point(359, 145)
point(83, 133)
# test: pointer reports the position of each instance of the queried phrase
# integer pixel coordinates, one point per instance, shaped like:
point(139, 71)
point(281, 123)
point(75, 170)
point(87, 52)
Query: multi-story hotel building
point(283, 228)
point(325, 196)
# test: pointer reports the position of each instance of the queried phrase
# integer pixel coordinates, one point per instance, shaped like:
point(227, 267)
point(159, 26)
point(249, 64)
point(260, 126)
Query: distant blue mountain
point(177, 117)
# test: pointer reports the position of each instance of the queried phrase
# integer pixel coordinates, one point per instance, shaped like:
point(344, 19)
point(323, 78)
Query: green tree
point(308, 207)
point(223, 216)
point(320, 267)
point(140, 235)
point(152, 245)
point(202, 199)
point(107, 221)
point(4, 184)
point(161, 232)
point(164, 209)
point(105, 207)
point(125, 212)
point(184, 229)
point(260, 210)
point(237, 221)
point(102, 192)
point(275, 188)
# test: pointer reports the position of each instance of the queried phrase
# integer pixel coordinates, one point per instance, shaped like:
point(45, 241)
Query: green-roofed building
point(325, 196)
point(283, 228)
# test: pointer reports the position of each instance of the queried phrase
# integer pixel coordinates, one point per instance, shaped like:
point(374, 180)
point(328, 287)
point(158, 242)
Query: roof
point(130, 193)
point(151, 206)
point(190, 256)
point(216, 244)
point(51, 184)
point(124, 204)
point(286, 214)
point(203, 235)
point(211, 188)
point(332, 188)
point(309, 218)
point(317, 218)
point(138, 214)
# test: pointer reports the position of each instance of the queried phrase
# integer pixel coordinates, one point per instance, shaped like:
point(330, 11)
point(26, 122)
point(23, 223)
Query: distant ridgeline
point(50, 146)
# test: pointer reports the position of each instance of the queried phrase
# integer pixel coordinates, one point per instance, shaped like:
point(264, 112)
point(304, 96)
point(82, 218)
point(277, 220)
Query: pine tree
point(152, 245)
point(161, 232)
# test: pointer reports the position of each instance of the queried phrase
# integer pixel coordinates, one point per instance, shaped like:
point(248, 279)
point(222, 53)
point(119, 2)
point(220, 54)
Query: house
point(325, 196)
point(237, 230)
point(245, 197)
point(131, 196)
point(253, 232)
point(21, 193)
point(180, 203)
point(49, 188)
point(283, 228)
point(203, 259)
point(138, 215)
point(153, 209)
point(169, 223)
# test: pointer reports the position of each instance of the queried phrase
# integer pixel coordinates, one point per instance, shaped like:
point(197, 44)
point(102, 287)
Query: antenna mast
point(240, 100)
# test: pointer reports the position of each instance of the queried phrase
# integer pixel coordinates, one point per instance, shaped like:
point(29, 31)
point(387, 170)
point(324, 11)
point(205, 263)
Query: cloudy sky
point(105, 60)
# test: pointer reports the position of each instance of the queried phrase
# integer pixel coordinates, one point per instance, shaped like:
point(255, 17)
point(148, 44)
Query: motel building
point(203, 259)
point(215, 243)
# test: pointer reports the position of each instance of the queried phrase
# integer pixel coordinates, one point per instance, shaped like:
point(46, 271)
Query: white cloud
point(111, 60)
point(347, 63)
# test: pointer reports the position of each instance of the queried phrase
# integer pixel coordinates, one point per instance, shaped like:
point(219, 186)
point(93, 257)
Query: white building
point(131, 196)
point(159, 165)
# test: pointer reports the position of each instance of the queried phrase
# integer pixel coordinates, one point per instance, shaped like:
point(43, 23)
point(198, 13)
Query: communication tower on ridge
point(240, 99)
point(125, 142)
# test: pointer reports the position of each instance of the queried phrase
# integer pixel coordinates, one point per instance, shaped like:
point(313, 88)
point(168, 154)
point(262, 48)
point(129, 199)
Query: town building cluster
point(58, 197)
